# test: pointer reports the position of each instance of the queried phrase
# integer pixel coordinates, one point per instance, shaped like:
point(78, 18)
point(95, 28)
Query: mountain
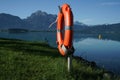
point(38, 20)
point(79, 26)
point(41, 20)
point(105, 28)
point(9, 21)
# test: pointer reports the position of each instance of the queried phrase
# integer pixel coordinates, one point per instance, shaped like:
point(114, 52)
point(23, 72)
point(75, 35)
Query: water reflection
point(49, 37)
point(104, 52)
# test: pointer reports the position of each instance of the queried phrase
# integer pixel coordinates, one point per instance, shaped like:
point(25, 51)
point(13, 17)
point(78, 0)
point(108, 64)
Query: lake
point(105, 52)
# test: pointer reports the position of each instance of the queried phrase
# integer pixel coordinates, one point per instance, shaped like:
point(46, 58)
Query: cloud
point(110, 3)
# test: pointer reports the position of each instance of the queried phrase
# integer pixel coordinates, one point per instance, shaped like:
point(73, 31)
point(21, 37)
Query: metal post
point(69, 63)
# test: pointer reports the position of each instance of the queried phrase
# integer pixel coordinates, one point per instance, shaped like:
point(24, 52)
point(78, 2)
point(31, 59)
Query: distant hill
point(105, 28)
point(9, 21)
point(79, 26)
point(40, 21)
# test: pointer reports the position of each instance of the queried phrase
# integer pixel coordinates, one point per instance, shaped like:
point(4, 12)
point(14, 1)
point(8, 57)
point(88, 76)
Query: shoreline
point(26, 51)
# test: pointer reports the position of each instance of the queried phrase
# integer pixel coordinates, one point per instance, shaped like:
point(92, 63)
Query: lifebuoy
point(65, 30)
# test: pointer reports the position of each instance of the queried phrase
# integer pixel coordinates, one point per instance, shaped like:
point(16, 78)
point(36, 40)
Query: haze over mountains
point(41, 20)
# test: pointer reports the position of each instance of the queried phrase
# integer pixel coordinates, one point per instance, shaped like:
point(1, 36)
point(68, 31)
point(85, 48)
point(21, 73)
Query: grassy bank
point(23, 60)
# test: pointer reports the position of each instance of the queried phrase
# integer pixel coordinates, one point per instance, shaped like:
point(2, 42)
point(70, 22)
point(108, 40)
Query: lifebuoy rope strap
point(64, 49)
point(68, 28)
point(58, 30)
point(68, 51)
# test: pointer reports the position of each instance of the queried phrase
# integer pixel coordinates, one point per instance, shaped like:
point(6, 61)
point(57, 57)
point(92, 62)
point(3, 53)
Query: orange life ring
point(65, 22)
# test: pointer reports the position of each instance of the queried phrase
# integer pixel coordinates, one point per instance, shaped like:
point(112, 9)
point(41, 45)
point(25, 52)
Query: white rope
point(53, 23)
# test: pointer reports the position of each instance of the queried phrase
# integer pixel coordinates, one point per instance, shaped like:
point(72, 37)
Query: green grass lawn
point(24, 60)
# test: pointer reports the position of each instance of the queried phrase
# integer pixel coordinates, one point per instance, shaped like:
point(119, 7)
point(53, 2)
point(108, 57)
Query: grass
point(24, 60)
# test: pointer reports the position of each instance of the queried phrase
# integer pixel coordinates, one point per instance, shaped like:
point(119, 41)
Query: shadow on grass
point(34, 48)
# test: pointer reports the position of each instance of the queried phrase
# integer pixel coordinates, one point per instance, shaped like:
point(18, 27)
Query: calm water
point(49, 37)
point(105, 52)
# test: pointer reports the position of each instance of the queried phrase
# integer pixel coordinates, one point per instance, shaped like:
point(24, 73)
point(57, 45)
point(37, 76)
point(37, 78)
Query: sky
point(90, 12)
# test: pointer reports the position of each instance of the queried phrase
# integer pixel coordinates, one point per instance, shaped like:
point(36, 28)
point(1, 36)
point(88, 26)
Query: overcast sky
point(90, 12)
